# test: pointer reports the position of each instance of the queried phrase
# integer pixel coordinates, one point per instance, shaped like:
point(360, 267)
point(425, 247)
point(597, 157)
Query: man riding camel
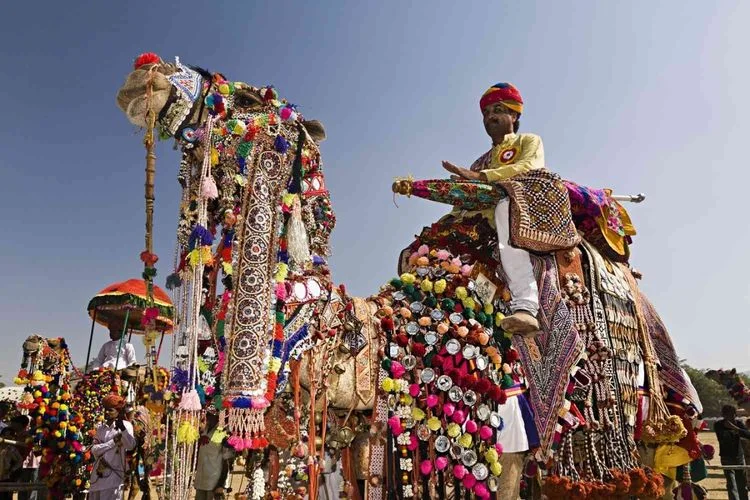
point(536, 213)
point(115, 354)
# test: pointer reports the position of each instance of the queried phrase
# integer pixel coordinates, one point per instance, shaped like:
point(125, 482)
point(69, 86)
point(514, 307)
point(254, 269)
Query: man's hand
point(464, 173)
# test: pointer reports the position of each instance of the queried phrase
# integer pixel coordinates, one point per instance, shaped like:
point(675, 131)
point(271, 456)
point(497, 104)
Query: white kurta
point(107, 357)
point(111, 458)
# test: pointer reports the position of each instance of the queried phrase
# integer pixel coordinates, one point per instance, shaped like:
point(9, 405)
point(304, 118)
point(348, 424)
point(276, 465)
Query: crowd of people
point(18, 462)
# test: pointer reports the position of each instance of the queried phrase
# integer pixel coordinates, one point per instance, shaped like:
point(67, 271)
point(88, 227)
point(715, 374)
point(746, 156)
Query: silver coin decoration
point(470, 398)
point(412, 328)
point(394, 350)
point(495, 420)
point(444, 382)
point(423, 271)
point(493, 483)
point(455, 394)
point(482, 362)
point(469, 351)
point(437, 314)
point(456, 450)
point(423, 433)
point(469, 458)
point(430, 338)
point(399, 295)
point(480, 471)
point(427, 375)
point(442, 443)
point(409, 362)
point(456, 318)
point(416, 307)
point(453, 346)
point(483, 412)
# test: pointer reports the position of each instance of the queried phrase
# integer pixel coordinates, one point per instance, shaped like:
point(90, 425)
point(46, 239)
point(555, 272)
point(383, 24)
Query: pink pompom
point(208, 188)
point(236, 443)
point(432, 401)
point(481, 491)
point(443, 254)
point(499, 448)
point(459, 471)
point(423, 250)
point(285, 113)
point(459, 416)
point(247, 444)
point(456, 262)
point(397, 369)
point(414, 390)
point(469, 481)
point(413, 443)
point(395, 424)
point(448, 409)
point(441, 463)
point(281, 291)
point(485, 432)
point(425, 467)
point(413, 259)
point(466, 269)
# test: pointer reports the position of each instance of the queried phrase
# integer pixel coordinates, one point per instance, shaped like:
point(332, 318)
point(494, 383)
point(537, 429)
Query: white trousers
point(516, 265)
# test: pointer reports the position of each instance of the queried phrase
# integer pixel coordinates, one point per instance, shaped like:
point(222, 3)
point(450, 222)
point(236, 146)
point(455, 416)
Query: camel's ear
point(315, 129)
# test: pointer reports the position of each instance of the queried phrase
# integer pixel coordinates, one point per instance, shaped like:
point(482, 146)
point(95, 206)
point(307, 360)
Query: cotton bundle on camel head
point(133, 97)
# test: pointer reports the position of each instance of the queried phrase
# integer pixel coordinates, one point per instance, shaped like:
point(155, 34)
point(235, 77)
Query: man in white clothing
point(108, 354)
point(114, 438)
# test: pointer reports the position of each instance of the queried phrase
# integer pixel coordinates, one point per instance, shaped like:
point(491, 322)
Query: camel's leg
point(510, 480)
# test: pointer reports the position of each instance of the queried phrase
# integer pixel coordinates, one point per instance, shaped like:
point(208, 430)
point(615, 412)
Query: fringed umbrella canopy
point(131, 297)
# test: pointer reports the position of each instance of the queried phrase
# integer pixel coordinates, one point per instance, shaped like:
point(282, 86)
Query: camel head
point(251, 172)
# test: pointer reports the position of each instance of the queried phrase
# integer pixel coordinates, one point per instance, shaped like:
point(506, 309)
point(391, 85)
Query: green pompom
point(386, 364)
point(409, 289)
point(430, 301)
point(482, 318)
point(448, 304)
point(397, 283)
point(469, 314)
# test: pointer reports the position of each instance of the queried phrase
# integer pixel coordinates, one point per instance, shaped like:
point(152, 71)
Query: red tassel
point(146, 58)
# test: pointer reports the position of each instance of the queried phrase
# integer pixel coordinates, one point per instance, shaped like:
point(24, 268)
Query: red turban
point(504, 93)
point(114, 401)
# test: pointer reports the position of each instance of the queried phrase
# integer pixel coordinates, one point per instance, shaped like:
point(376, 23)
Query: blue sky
point(639, 96)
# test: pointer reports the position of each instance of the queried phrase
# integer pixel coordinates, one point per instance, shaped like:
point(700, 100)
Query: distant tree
point(2, 384)
point(713, 395)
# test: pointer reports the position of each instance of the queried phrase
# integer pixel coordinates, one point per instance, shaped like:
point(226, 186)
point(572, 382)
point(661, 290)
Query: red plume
point(146, 58)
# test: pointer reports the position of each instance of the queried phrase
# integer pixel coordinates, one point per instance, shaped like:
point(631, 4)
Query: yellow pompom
point(282, 271)
point(426, 285)
point(387, 384)
point(288, 199)
point(73, 428)
point(468, 303)
point(417, 414)
point(454, 429)
point(214, 157)
point(489, 308)
point(63, 425)
point(465, 440)
point(433, 423)
point(491, 456)
point(496, 468)
point(187, 433)
point(19, 381)
point(408, 279)
point(406, 399)
point(224, 89)
point(461, 293)
point(499, 317)
point(440, 286)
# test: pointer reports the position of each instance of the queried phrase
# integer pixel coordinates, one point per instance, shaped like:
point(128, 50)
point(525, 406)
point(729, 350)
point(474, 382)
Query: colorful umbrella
point(129, 299)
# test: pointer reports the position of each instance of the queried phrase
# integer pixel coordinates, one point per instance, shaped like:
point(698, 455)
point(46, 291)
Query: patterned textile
point(540, 217)
point(671, 374)
point(463, 194)
point(505, 93)
point(603, 221)
point(549, 358)
point(256, 261)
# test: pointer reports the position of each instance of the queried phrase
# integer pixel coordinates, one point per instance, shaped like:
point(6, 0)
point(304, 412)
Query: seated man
point(511, 155)
point(108, 354)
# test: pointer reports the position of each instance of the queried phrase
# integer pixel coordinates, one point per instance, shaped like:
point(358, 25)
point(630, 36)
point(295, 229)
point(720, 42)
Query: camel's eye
point(246, 99)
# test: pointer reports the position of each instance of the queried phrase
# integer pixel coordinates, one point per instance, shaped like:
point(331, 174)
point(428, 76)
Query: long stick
point(91, 339)
point(124, 329)
point(148, 142)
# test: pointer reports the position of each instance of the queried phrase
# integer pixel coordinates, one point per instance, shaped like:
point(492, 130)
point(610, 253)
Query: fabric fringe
point(248, 428)
point(298, 245)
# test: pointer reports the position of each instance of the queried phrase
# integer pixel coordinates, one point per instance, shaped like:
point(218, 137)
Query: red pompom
point(402, 340)
point(146, 58)
point(437, 361)
point(418, 349)
point(386, 323)
point(511, 355)
point(482, 386)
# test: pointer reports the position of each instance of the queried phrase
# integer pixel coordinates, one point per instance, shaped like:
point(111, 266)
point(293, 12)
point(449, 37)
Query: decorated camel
point(735, 385)
point(413, 388)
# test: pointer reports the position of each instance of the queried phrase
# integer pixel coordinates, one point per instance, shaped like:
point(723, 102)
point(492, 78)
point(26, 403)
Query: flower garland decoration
point(449, 366)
